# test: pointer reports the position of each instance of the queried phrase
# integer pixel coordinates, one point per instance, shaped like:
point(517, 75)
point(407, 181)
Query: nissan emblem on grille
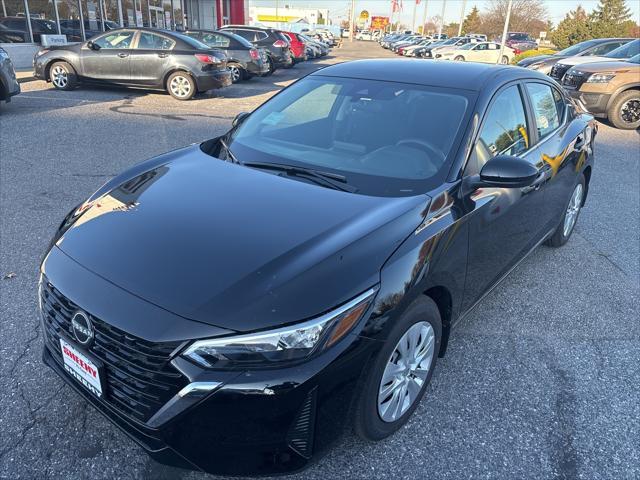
point(82, 328)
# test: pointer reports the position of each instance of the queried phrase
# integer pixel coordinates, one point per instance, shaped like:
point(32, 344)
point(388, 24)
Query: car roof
point(461, 75)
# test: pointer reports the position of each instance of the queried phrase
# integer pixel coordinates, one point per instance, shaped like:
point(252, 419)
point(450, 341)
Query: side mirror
point(239, 119)
point(506, 171)
point(92, 45)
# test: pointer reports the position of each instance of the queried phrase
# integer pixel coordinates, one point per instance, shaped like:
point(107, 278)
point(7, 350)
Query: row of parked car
point(602, 74)
point(182, 63)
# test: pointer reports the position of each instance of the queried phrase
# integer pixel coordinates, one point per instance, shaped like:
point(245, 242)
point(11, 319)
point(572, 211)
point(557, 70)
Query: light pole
point(444, 4)
point(413, 20)
point(504, 31)
point(464, 6)
point(352, 24)
point(424, 18)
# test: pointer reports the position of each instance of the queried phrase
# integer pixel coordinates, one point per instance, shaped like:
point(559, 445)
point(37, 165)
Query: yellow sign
point(274, 18)
point(364, 15)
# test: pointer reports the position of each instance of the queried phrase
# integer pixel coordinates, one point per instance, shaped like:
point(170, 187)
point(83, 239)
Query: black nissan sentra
point(235, 305)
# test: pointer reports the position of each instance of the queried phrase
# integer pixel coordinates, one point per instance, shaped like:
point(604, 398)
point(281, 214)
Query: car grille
point(139, 377)
point(573, 80)
point(558, 71)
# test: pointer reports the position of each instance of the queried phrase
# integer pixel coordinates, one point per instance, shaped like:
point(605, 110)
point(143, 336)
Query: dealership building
point(24, 22)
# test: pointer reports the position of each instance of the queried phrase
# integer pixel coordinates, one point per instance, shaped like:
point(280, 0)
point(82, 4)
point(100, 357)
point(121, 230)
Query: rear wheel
point(459, 58)
point(504, 60)
point(570, 216)
point(181, 86)
point(400, 373)
point(272, 67)
point(624, 111)
point(237, 72)
point(63, 76)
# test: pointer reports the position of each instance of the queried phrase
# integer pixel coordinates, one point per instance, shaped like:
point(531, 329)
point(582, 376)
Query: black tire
point(181, 86)
point(237, 72)
point(560, 236)
point(459, 58)
point(368, 423)
point(63, 76)
point(272, 67)
point(624, 111)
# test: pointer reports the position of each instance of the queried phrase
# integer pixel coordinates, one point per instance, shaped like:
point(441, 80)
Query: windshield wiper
point(228, 152)
point(327, 179)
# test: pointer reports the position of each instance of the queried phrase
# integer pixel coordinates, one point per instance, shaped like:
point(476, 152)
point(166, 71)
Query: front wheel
point(181, 86)
point(570, 216)
point(624, 112)
point(393, 387)
point(459, 58)
point(63, 76)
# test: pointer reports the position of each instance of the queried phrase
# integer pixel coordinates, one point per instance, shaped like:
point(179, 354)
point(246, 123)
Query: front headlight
point(290, 343)
point(604, 77)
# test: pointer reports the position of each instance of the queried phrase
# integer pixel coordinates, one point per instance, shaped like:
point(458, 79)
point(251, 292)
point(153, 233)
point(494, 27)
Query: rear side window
point(215, 40)
point(151, 41)
point(504, 131)
point(605, 48)
point(261, 35)
point(246, 34)
point(548, 107)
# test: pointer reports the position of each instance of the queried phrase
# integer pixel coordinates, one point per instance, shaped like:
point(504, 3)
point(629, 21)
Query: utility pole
point(413, 20)
point(444, 4)
point(464, 7)
point(352, 24)
point(424, 18)
point(504, 31)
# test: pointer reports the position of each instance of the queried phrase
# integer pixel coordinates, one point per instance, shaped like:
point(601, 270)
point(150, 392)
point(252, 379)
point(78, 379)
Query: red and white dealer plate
point(81, 368)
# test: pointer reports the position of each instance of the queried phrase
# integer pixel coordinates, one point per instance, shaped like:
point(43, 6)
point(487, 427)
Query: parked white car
point(364, 35)
point(483, 52)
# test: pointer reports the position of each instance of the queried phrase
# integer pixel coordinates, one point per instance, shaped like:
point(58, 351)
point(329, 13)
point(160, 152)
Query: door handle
point(123, 55)
point(163, 55)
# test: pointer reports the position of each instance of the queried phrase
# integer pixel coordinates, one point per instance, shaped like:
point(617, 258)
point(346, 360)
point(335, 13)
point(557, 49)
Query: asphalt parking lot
point(540, 381)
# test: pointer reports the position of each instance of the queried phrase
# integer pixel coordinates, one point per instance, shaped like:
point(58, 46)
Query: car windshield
point(387, 138)
point(576, 49)
point(635, 59)
point(451, 41)
point(627, 50)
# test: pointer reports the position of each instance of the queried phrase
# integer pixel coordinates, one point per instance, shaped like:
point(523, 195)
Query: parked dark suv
point(138, 57)
point(243, 58)
point(277, 46)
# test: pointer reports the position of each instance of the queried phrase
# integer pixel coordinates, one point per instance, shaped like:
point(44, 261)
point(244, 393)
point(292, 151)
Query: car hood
point(236, 247)
point(615, 66)
point(577, 60)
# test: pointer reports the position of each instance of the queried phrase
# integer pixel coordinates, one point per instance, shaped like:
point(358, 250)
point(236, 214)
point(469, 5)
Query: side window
point(261, 36)
point(246, 34)
point(120, 39)
point(151, 41)
point(493, 46)
point(215, 40)
point(545, 101)
point(504, 131)
point(605, 48)
point(481, 46)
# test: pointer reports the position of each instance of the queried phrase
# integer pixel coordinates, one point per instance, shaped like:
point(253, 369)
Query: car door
point(150, 58)
point(504, 223)
point(492, 53)
point(478, 53)
point(562, 145)
point(109, 58)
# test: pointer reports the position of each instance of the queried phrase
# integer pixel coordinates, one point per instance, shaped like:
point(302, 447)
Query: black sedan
point(136, 57)
point(234, 305)
point(244, 60)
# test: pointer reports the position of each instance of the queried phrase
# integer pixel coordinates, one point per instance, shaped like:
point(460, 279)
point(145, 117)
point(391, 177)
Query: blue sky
point(340, 8)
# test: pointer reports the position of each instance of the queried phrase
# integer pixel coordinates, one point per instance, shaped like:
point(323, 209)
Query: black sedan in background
point(273, 41)
point(136, 57)
point(9, 85)
point(598, 46)
point(244, 60)
point(234, 305)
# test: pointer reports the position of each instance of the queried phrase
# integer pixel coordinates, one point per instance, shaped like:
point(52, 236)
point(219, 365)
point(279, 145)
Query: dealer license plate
point(82, 368)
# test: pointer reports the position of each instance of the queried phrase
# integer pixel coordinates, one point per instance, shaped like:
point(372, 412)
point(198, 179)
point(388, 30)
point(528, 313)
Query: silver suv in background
point(9, 85)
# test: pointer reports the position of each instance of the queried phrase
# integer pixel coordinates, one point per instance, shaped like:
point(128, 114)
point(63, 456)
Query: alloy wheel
point(59, 77)
point(630, 110)
point(572, 210)
point(235, 73)
point(180, 86)
point(406, 371)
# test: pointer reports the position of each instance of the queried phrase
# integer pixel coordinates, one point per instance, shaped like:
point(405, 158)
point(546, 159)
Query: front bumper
point(211, 80)
point(263, 421)
point(596, 103)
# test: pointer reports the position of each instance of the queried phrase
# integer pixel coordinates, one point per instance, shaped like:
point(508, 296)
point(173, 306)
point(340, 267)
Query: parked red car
point(298, 47)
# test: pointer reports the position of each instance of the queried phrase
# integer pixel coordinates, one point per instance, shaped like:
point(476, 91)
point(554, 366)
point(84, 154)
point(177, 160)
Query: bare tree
point(526, 16)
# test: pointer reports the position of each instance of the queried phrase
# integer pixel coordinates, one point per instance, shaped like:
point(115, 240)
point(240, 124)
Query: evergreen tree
point(574, 28)
point(611, 18)
point(472, 23)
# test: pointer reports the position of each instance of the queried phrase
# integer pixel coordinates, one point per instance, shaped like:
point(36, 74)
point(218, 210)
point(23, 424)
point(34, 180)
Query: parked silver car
point(9, 85)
